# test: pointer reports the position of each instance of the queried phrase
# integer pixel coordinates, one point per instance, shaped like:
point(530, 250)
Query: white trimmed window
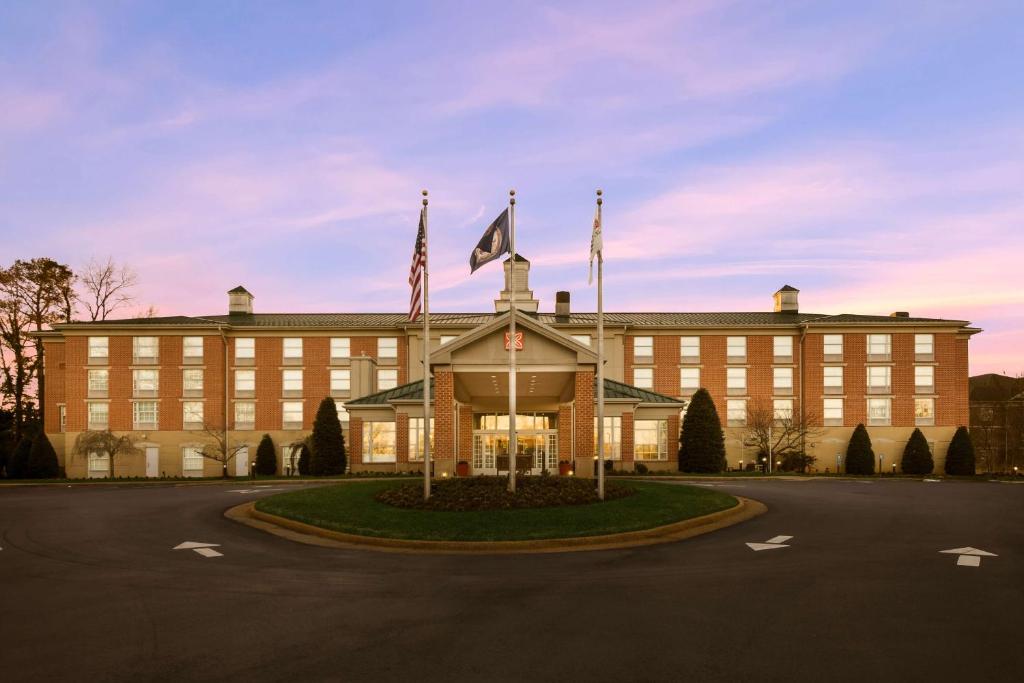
point(342, 413)
point(245, 348)
point(833, 346)
point(643, 349)
point(582, 339)
point(145, 382)
point(736, 380)
point(191, 462)
point(833, 411)
point(782, 409)
point(387, 379)
point(924, 346)
point(341, 347)
point(63, 417)
point(879, 411)
point(832, 378)
point(245, 381)
point(612, 437)
point(99, 415)
point(99, 348)
point(446, 338)
point(291, 414)
point(192, 380)
point(192, 348)
point(245, 414)
point(650, 440)
point(192, 414)
point(416, 438)
point(643, 378)
point(144, 414)
point(879, 346)
point(924, 411)
point(99, 466)
point(387, 348)
point(341, 381)
point(879, 378)
point(378, 442)
point(99, 382)
point(145, 349)
point(689, 380)
point(689, 349)
point(736, 412)
point(293, 348)
point(291, 381)
point(736, 349)
point(782, 380)
point(924, 379)
point(782, 347)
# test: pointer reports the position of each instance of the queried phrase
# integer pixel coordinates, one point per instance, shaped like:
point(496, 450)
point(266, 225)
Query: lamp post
point(880, 457)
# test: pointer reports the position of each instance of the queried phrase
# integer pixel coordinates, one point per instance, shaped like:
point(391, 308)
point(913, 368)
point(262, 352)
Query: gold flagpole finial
point(599, 193)
point(512, 196)
point(424, 197)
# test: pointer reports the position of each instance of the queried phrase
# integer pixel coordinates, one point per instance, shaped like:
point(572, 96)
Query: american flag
point(419, 262)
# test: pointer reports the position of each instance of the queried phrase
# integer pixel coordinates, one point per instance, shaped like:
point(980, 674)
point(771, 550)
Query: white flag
point(596, 243)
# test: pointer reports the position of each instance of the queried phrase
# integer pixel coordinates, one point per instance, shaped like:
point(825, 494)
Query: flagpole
point(512, 441)
point(600, 356)
point(426, 356)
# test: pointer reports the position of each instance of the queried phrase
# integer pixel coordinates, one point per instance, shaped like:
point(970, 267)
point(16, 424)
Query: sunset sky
point(870, 154)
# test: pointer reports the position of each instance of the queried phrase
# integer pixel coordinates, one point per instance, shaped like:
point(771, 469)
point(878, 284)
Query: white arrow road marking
point(255, 490)
point(968, 556)
point(204, 549)
point(933, 480)
point(771, 544)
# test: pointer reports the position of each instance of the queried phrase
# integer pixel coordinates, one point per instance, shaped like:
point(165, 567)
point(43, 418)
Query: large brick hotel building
point(169, 379)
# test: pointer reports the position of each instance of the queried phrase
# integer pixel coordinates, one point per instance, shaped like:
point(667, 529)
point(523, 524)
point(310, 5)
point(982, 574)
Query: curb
point(300, 532)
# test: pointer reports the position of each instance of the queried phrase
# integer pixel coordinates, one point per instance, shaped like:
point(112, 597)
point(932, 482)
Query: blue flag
point(493, 244)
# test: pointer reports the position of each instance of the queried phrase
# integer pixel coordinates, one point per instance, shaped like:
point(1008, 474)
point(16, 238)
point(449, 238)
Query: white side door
point(152, 461)
point(242, 462)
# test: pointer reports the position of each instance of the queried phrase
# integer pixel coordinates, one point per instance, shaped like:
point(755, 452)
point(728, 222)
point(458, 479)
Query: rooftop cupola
point(240, 301)
point(517, 280)
point(786, 300)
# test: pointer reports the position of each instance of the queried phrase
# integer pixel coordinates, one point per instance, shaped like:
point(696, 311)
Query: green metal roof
point(613, 389)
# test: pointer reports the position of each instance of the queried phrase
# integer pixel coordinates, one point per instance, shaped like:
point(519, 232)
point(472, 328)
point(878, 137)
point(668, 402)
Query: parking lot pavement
point(838, 581)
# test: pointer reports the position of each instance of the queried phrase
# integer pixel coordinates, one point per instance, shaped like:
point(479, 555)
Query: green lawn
point(351, 508)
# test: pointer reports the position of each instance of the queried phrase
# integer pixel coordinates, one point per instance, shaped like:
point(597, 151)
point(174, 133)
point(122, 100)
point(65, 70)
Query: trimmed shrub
point(266, 457)
point(327, 443)
point(42, 459)
point(917, 457)
point(304, 459)
point(640, 468)
point(17, 465)
point(960, 456)
point(701, 443)
point(860, 458)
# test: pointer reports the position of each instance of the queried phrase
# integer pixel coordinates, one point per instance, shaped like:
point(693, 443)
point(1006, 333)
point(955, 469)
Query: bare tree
point(105, 442)
point(106, 288)
point(220, 450)
point(783, 436)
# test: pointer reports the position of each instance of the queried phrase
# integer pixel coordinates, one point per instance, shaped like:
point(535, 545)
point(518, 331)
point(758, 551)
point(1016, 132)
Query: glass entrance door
point(535, 450)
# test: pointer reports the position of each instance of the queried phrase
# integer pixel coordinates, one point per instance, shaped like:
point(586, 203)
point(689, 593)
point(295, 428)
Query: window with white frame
point(145, 382)
point(924, 411)
point(736, 380)
point(99, 348)
point(245, 414)
point(191, 461)
point(833, 346)
point(643, 378)
point(98, 415)
point(782, 409)
point(879, 378)
point(341, 347)
point(416, 438)
point(293, 348)
point(291, 414)
point(192, 414)
point(99, 382)
point(689, 349)
point(832, 378)
point(446, 338)
point(924, 378)
point(924, 346)
point(832, 411)
point(192, 380)
point(99, 465)
point(341, 381)
point(582, 338)
point(782, 380)
point(879, 411)
point(291, 381)
point(689, 380)
point(63, 410)
point(192, 349)
point(290, 454)
point(736, 348)
point(387, 379)
point(782, 347)
point(342, 413)
point(879, 346)
point(145, 349)
point(245, 348)
point(650, 440)
point(387, 348)
point(612, 437)
point(736, 412)
point(378, 442)
point(643, 348)
point(245, 382)
point(144, 414)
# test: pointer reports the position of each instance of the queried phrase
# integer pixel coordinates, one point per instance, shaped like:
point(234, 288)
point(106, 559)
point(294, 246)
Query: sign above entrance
point(519, 341)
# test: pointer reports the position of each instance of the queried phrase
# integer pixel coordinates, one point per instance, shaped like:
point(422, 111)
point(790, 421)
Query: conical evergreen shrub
point(960, 456)
point(42, 460)
point(304, 457)
point(860, 458)
point(266, 457)
point(327, 442)
point(17, 465)
point(701, 442)
point(917, 456)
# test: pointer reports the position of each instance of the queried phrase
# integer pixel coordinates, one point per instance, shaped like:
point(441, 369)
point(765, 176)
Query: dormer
point(786, 300)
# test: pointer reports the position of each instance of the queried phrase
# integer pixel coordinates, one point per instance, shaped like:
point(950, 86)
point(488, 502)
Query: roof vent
point(239, 301)
point(900, 314)
point(562, 303)
point(786, 300)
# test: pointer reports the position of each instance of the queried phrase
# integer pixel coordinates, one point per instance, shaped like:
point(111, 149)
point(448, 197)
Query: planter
point(462, 468)
point(564, 468)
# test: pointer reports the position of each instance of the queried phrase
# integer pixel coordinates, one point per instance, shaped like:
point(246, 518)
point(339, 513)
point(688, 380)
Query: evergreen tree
point(17, 465)
point(304, 456)
point(42, 460)
point(917, 457)
point(266, 457)
point(860, 458)
point(327, 442)
point(960, 456)
point(701, 442)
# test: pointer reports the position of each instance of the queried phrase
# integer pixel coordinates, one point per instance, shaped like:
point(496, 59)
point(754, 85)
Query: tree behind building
point(701, 443)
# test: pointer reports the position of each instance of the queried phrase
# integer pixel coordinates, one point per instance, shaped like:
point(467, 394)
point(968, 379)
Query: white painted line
point(968, 561)
point(208, 552)
point(778, 539)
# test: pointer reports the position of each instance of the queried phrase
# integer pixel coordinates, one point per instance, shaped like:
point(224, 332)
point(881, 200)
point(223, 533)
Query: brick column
point(673, 441)
point(584, 426)
point(565, 433)
point(355, 443)
point(444, 422)
point(465, 451)
point(626, 447)
point(402, 438)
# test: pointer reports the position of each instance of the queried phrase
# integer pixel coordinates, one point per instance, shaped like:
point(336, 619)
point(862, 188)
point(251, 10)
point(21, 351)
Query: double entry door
point(534, 449)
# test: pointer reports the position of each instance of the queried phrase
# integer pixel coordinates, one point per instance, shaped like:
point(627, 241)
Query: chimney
point(562, 303)
point(786, 300)
point(240, 301)
point(900, 314)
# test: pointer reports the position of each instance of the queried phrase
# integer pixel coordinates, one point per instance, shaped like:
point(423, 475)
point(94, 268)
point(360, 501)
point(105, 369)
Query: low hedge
point(491, 493)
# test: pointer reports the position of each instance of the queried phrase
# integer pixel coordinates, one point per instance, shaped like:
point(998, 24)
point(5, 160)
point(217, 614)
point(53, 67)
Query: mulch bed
point(491, 493)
